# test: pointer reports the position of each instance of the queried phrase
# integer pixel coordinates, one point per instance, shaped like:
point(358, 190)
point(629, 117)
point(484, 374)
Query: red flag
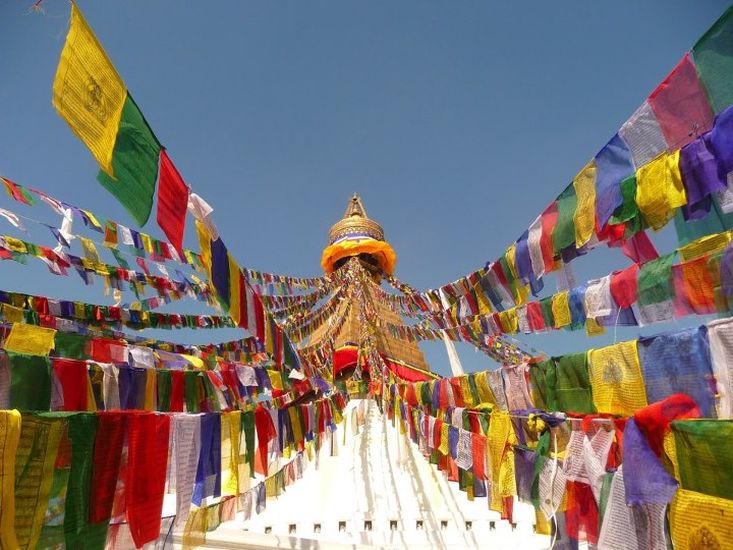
point(107, 453)
point(172, 202)
point(548, 221)
point(74, 380)
point(147, 461)
point(640, 249)
point(624, 286)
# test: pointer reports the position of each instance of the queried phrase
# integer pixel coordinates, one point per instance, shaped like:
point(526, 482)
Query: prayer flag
point(30, 339)
point(713, 55)
point(135, 162)
point(147, 461)
point(659, 189)
point(87, 91)
point(678, 362)
point(9, 438)
point(643, 135)
point(613, 165)
point(172, 202)
point(616, 381)
point(584, 217)
point(680, 105)
point(563, 235)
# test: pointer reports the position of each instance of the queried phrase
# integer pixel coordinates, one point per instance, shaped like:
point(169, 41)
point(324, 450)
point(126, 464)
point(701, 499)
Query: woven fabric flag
point(542, 379)
point(720, 142)
point(561, 309)
point(74, 379)
point(9, 438)
point(546, 307)
point(720, 336)
point(713, 55)
point(678, 362)
point(78, 531)
point(230, 428)
point(30, 339)
point(627, 213)
point(584, 217)
point(34, 461)
point(30, 383)
point(548, 220)
point(496, 383)
point(208, 473)
point(680, 105)
point(187, 443)
point(524, 461)
point(624, 288)
point(500, 437)
point(639, 248)
point(147, 461)
point(616, 381)
point(563, 235)
point(534, 238)
point(714, 221)
point(597, 299)
point(659, 189)
point(535, 320)
point(700, 521)
point(576, 302)
point(704, 456)
point(220, 271)
point(707, 245)
point(106, 467)
point(172, 202)
point(87, 91)
point(582, 512)
point(701, 176)
point(135, 162)
point(656, 289)
point(573, 388)
point(617, 521)
point(693, 288)
point(643, 135)
point(613, 165)
point(645, 480)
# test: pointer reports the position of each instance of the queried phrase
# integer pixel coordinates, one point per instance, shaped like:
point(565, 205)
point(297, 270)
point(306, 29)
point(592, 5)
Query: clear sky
point(457, 122)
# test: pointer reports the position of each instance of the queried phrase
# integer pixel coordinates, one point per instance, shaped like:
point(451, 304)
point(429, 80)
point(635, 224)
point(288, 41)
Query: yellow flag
point(30, 339)
point(616, 379)
point(12, 314)
point(235, 299)
point(659, 189)
point(585, 211)
point(9, 438)
point(709, 244)
point(561, 309)
point(87, 91)
point(205, 243)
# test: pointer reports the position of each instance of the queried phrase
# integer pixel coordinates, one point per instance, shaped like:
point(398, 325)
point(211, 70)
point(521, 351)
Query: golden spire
point(355, 224)
point(356, 234)
point(355, 208)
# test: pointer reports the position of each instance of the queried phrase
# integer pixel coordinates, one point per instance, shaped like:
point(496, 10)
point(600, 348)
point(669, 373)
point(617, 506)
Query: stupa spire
point(355, 208)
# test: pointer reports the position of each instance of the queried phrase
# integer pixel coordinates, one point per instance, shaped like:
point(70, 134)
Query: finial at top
point(355, 208)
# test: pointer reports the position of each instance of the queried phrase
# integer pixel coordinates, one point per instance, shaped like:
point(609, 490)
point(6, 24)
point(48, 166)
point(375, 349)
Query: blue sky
point(456, 122)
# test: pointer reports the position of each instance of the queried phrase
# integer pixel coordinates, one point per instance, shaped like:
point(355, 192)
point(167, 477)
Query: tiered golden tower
point(356, 235)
